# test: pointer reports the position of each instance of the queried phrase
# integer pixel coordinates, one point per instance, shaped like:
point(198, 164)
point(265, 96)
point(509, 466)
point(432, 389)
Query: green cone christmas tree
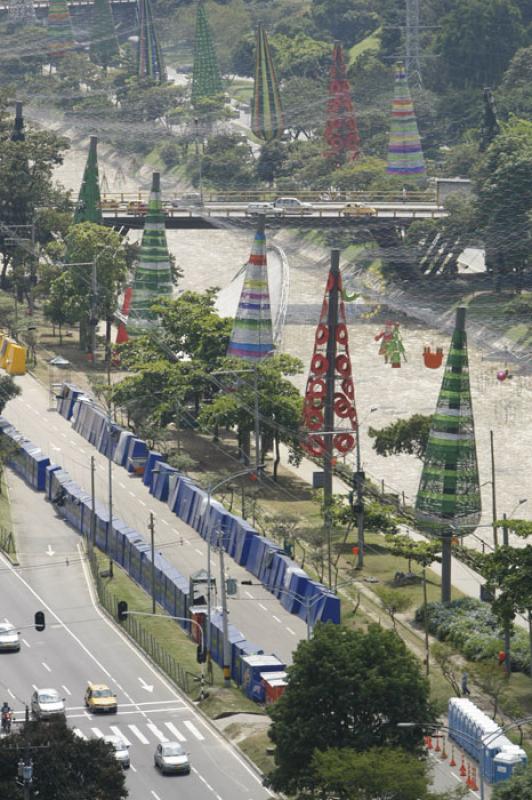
point(267, 118)
point(150, 62)
point(448, 498)
point(153, 277)
point(88, 206)
point(206, 78)
point(60, 36)
point(104, 44)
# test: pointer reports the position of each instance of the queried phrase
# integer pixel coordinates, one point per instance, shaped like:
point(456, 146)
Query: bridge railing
point(116, 199)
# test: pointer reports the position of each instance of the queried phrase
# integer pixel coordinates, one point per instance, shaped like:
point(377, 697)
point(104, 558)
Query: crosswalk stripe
point(156, 732)
point(118, 732)
point(140, 736)
point(194, 730)
point(97, 732)
point(173, 730)
point(80, 734)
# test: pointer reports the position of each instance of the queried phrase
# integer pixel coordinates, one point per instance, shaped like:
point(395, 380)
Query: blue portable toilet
point(252, 666)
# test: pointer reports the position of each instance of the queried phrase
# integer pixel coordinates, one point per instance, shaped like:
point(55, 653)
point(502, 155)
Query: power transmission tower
point(412, 60)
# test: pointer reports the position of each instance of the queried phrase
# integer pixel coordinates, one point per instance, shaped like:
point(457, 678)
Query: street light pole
point(110, 478)
point(493, 494)
point(359, 481)
point(152, 540)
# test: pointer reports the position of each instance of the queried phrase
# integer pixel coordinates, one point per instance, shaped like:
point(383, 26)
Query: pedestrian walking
point(465, 687)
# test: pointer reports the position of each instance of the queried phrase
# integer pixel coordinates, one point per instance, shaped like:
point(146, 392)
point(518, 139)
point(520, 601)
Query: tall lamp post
point(207, 513)
point(482, 742)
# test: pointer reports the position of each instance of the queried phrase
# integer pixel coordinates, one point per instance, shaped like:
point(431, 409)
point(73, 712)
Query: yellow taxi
point(358, 210)
point(99, 697)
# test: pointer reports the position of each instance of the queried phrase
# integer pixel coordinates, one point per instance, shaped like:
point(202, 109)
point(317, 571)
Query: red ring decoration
point(348, 388)
point(343, 363)
point(315, 446)
point(316, 387)
point(330, 282)
point(342, 407)
point(319, 364)
point(314, 419)
point(322, 334)
point(341, 333)
point(344, 442)
point(336, 86)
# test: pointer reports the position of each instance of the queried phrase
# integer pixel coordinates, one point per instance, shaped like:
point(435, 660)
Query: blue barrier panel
point(187, 498)
point(145, 578)
point(51, 468)
point(266, 567)
point(130, 536)
point(137, 456)
point(102, 527)
point(282, 563)
point(86, 516)
point(120, 456)
point(169, 578)
point(218, 521)
point(118, 538)
point(330, 609)
point(231, 529)
point(136, 549)
point(217, 637)
point(160, 483)
point(244, 649)
point(244, 533)
point(153, 458)
point(57, 478)
point(252, 666)
point(198, 509)
point(236, 639)
point(98, 427)
point(71, 508)
point(182, 598)
point(176, 494)
point(256, 553)
point(295, 583)
point(39, 472)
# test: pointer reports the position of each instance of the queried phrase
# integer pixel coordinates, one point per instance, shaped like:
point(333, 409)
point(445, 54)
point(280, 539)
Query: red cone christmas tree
point(341, 132)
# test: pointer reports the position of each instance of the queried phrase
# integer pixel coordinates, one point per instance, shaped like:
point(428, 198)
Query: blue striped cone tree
point(448, 498)
point(405, 155)
point(153, 275)
point(60, 35)
point(252, 336)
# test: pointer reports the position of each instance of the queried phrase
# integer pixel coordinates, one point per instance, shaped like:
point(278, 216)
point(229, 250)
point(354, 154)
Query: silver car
point(9, 638)
point(120, 749)
point(170, 758)
point(47, 703)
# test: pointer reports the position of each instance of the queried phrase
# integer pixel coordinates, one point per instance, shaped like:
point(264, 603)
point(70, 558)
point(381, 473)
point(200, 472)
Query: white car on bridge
point(291, 205)
point(268, 209)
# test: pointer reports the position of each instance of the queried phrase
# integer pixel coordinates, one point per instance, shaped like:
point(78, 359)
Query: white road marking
point(263, 607)
point(45, 665)
point(122, 485)
point(72, 442)
point(34, 687)
point(142, 503)
point(276, 618)
point(173, 730)
point(26, 643)
point(67, 691)
point(192, 728)
point(97, 732)
point(165, 522)
point(132, 768)
point(140, 736)
point(132, 494)
point(147, 686)
point(117, 732)
point(198, 551)
point(10, 693)
point(80, 734)
point(156, 732)
point(154, 794)
point(290, 631)
point(248, 594)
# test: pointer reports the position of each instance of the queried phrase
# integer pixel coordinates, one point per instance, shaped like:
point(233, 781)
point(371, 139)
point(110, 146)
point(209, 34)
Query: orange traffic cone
point(452, 762)
point(443, 750)
point(429, 742)
point(473, 784)
point(468, 779)
point(463, 771)
point(437, 748)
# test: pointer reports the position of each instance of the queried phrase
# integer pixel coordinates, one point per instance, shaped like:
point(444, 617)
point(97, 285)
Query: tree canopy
point(347, 689)
point(403, 436)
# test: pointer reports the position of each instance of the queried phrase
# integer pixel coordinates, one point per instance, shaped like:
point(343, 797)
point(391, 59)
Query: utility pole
point(426, 620)
point(328, 419)
point(493, 494)
point(359, 477)
point(110, 478)
point(225, 620)
point(93, 319)
point(92, 532)
point(507, 664)
point(152, 540)
point(257, 422)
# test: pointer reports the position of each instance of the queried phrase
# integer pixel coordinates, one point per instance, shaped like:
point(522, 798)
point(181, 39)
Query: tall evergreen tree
point(405, 155)
point(18, 134)
point(490, 124)
point(150, 62)
point(88, 207)
point(267, 118)
point(153, 277)
point(448, 498)
point(341, 132)
point(206, 78)
point(104, 44)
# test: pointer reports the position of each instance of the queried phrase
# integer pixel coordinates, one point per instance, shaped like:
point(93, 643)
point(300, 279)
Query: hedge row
point(472, 628)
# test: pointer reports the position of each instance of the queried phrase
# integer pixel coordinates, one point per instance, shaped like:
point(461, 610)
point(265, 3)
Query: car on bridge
point(358, 210)
point(291, 205)
point(268, 209)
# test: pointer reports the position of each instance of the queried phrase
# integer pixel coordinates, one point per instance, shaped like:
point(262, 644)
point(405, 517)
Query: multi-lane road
point(255, 612)
point(81, 644)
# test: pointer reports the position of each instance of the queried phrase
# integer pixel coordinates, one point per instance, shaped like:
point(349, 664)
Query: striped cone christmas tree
point(267, 117)
point(448, 498)
point(88, 208)
point(405, 155)
point(153, 277)
point(341, 132)
point(60, 36)
point(252, 336)
point(206, 78)
point(150, 62)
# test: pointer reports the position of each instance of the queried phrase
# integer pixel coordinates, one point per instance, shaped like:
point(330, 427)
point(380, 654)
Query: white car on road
point(268, 209)
point(291, 205)
point(47, 703)
point(9, 638)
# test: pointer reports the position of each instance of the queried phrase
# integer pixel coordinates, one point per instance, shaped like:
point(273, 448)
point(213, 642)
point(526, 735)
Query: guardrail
point(325, 196)
point(319, 213)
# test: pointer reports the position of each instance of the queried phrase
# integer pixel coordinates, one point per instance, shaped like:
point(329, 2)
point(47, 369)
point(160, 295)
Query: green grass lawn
point(371, 42)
